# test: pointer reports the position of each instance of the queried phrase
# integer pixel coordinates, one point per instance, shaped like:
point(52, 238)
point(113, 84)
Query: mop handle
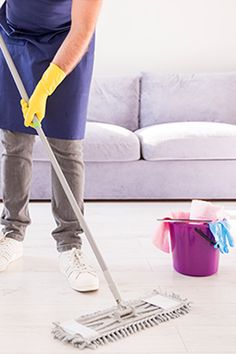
point(61, 176)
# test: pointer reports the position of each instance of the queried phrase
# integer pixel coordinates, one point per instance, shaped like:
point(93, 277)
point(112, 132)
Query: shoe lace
point(5, 246)
point(79, 261)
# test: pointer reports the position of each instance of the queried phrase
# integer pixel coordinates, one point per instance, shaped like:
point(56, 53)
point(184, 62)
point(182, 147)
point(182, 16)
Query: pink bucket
point(192, 253)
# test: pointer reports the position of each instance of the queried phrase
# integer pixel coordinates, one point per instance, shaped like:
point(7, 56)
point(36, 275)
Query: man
point(52, 44)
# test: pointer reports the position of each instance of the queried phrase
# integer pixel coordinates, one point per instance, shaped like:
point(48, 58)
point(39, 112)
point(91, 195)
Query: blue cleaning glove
point(221, 231)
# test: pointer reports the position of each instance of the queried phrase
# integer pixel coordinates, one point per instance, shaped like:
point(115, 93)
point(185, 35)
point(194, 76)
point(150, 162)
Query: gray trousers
point(16, 182)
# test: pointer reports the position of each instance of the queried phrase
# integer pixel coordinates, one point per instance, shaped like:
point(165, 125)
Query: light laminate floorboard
point(33, 293)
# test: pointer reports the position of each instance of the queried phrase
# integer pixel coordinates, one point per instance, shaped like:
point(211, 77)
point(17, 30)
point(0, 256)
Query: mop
point(127, 317)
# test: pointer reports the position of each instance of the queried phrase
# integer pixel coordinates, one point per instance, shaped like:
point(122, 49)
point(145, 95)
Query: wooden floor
point(33, 293)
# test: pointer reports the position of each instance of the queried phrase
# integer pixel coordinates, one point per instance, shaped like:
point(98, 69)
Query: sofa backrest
point(115, 100)
point(169, 98)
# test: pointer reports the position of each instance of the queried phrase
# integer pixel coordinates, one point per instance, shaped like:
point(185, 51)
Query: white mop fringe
point(121, 331)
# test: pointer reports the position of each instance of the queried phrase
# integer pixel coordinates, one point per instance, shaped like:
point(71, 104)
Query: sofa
point(155, 137)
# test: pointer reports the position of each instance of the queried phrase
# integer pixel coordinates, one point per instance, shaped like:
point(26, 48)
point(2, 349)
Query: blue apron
point(33, 31)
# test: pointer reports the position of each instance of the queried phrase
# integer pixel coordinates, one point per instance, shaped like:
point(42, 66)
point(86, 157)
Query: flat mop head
point(107, 326)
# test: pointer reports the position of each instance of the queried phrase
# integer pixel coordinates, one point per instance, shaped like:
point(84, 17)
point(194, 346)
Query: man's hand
point(37, 105)
point(84, 16)
point(52, 77)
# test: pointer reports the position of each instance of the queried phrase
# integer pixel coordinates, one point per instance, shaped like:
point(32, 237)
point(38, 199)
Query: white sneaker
point(10, 250)
point(81, 276)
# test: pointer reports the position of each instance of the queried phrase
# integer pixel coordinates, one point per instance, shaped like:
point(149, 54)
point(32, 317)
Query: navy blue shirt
point(34, 31)
point(40, 16)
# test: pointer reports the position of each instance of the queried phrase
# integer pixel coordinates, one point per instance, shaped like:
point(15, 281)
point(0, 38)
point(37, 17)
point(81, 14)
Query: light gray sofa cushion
point(103, 142)
point(188, 140)
point(115, 100)
point(109, 142)
point(188, 97)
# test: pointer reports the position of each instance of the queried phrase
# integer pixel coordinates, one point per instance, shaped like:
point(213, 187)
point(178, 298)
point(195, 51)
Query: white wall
point(166, 35)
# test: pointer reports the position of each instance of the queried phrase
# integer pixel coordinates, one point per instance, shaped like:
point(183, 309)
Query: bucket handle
point(205, 237)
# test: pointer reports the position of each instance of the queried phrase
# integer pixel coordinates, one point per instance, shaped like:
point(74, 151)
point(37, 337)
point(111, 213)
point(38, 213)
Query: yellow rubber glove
point(50, 80)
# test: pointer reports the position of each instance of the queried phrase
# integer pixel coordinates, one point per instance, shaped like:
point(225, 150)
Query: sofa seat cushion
point(103, 142)
point(109, 142)
point(188, 140)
